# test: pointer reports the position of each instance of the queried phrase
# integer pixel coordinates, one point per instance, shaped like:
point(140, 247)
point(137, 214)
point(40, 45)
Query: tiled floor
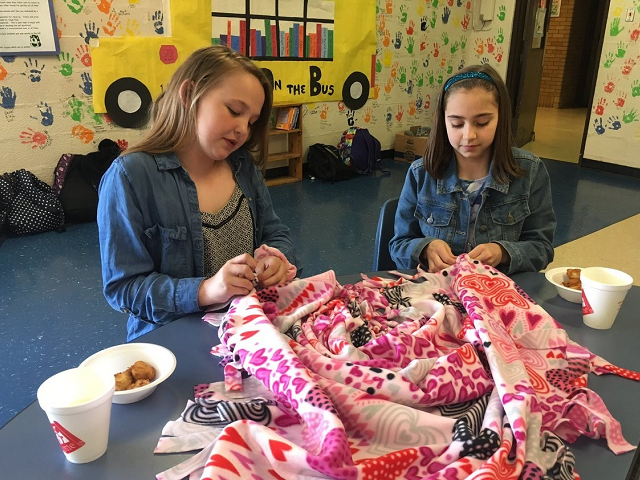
point(558, 133)
point(53, 314)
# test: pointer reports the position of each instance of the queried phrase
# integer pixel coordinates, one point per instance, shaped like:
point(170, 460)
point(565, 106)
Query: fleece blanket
point(453, 375)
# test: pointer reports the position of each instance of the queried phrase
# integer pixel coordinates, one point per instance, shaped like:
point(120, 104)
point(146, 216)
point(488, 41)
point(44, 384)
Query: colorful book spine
point(312, 45)
point(267, 33)
point(259, 43)
point(287, 40)
point(330, 44)
point(307, 46)
point(243, 37)
point(325, 43)
point(294, 40)
point(254, 42)
point(229, 33)
point(235, 43)
point(318, 40)
point(283, 43)
point(223, 40)
point(274, 41)
point(300, 41)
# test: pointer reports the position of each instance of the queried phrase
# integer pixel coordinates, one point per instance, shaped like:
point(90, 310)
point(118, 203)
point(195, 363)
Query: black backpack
point(325, 163)
point(77, 178)
point(28, 205)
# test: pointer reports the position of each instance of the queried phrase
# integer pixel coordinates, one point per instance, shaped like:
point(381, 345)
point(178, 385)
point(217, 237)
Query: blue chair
point(384, 233)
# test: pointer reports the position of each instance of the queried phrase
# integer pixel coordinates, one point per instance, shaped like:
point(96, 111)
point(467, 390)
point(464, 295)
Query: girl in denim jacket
point(474, 192)
point(185, 219)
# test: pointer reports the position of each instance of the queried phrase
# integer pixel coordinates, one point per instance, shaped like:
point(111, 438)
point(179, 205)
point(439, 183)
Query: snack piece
point(137, 375)
point(574, 279)
point(143, 371)
point(124, 380)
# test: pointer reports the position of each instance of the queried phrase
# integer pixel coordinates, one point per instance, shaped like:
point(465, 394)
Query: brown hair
point(174, 121)
point(440, 152)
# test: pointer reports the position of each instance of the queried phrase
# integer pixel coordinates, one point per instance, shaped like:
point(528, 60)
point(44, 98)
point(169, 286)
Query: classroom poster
point(27, 27)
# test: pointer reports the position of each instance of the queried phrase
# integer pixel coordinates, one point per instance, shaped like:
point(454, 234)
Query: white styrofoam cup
point(603, 291)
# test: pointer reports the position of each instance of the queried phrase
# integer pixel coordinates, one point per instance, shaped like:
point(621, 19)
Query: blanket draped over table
point(453, 375)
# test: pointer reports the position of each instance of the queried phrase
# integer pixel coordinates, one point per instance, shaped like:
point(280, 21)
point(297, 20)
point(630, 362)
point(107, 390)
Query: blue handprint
point(87, 85)
point(614, 123)
point(8, 98)
point(9, 58)
point(410, 87)
point(419, 102)
point(34, 70)
point(157, 22)
point(388, 116)
point(446, 12)
point(46, 114)
point(398, 41)
point(597, 123)
point(459, 3)
point(423, 23)
point(91, 32)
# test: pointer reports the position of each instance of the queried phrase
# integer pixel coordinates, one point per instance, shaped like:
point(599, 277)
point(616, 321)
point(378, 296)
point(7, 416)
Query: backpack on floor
point(325, 163)
point(76, 179)
point(360, 150)
point(28, 205)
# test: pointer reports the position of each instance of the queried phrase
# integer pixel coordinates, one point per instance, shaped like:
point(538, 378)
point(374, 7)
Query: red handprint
point(465, 21)
point(123, 144)
point(36, 139)
point(622, 97)
point(411, 27)
point(436, 52)
point(400, 113)
point(82, 54)
point(635, 34)
point(490, 46)
point(600, 107)
point(498, 54)
point(609, 87)
point(628, 66)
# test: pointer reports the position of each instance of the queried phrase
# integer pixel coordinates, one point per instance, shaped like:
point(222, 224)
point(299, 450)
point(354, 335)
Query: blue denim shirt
point(518, 215)
point(151, 241)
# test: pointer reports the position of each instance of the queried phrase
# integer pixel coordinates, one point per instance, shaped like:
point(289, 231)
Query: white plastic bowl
point(117, 359)
point(558, 275)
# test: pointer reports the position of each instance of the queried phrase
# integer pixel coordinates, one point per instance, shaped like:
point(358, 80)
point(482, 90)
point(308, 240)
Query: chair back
point(384, 233)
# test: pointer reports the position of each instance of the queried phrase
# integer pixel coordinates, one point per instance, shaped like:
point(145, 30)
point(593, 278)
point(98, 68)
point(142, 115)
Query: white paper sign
point(27, 27)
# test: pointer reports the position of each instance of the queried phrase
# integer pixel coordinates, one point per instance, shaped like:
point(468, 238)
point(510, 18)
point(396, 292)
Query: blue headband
point(465, 76)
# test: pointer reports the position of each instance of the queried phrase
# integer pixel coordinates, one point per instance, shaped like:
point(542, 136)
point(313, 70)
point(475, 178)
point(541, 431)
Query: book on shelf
point(287, 118)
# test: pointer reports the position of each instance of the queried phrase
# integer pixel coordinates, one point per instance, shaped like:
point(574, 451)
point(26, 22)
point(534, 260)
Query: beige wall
point(419, 43)
point(614, 129)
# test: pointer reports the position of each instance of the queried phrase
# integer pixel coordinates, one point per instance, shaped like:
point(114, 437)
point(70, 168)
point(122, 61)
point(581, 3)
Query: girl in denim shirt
point(185, 219)
point(474, 192)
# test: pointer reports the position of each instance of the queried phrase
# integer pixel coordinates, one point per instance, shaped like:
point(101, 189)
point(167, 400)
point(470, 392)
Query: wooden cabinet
point(287, 149)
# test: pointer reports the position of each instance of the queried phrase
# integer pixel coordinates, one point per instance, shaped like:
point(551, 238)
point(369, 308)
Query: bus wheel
point(127, 101)
point(355, 90)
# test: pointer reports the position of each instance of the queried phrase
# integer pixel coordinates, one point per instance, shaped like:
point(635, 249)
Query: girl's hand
point(438, 255)
point(234, 278)
point(270, 270)
point(492, 254)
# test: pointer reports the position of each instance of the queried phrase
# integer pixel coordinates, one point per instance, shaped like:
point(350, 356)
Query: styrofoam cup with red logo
point(603, 291)
point(78, 405)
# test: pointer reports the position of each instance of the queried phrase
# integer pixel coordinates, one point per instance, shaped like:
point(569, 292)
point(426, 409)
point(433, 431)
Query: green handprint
point(430, 78)
point(75, 6)
point(434, 3)
point(500, 37)
point(403, 13)
point(635, 88)
point(420, 80)
point(97, 117)
point(76, 109)
point(410, 44)
point(463, 42)
point(632, 116)
point(433, 20)
point(445, 38)
point(378, 65)
point(622, 50)
point(502, 13)
point(66, 67)
point(454, 47)
point(403, 74)
point(449, 69)
point(615, 27)
point(609, 59)
point(440, 79)
point(414, 67)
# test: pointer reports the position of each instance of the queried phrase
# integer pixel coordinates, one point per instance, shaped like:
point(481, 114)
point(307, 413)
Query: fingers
point(270, 271)
point(245, 259)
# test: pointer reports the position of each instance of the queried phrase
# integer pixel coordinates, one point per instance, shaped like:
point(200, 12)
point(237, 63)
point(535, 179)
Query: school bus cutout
point(311, 50)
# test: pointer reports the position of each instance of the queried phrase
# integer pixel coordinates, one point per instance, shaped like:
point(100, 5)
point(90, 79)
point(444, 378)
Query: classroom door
point(524, 73)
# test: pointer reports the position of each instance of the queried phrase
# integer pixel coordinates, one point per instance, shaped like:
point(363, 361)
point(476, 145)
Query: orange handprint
point(84, 134)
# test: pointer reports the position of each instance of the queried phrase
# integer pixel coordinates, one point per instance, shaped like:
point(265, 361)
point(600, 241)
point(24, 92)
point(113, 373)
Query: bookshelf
point(287, 148)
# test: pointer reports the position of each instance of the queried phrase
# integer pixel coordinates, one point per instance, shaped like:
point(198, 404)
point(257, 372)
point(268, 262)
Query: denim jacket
point(518, 215)
point(151, 240)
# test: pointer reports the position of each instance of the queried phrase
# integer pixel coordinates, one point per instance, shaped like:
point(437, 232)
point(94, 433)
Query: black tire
point(127, 118)
point(355, 102)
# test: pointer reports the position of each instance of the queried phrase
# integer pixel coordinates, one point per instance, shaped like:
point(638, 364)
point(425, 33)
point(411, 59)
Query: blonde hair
point(174, 121)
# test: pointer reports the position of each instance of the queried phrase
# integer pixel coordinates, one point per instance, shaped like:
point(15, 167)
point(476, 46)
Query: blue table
point(29, 449)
